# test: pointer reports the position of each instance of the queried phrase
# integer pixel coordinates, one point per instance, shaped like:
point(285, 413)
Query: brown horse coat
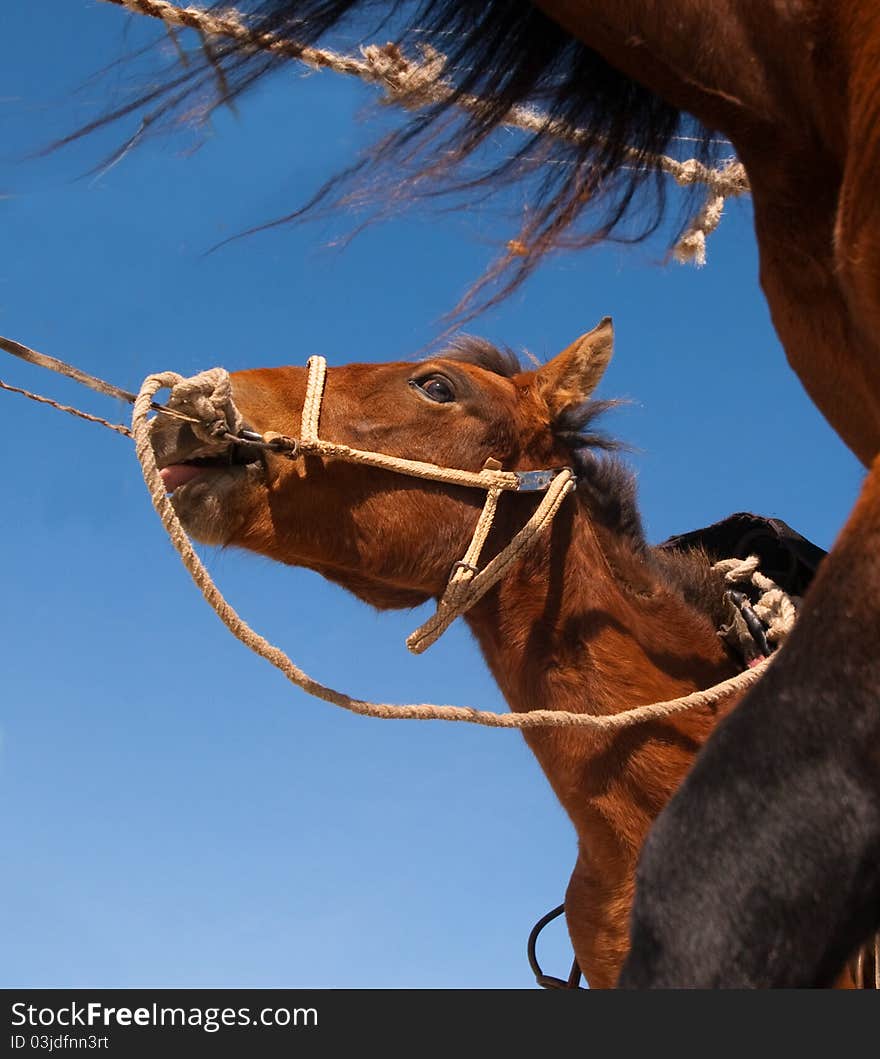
point(777, 831)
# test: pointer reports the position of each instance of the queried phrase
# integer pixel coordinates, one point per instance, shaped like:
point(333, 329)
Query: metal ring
point(549, 981)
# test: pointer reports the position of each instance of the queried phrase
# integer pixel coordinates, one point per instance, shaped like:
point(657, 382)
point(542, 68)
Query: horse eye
point(435, 387)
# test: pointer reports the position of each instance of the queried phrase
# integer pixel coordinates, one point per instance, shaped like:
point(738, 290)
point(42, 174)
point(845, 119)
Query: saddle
point(785, 556)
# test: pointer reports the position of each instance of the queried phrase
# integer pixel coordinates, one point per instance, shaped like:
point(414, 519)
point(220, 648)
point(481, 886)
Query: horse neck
point(584, 625)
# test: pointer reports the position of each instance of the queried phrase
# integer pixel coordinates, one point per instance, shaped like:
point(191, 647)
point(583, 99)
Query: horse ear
point(573, 374)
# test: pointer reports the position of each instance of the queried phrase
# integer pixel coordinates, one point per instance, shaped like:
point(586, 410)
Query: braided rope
point(61, 367)
point(692, 244)
point(140, 427)
point(118, 427)
point(311, 413)
point(414, 84)
point(466, 569)
point(775, 607)
point(483, 479)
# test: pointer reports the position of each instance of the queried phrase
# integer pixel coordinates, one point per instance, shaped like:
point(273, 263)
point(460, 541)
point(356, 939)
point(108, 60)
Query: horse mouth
point(212, 489)
point(212, 486)
point(177, 473)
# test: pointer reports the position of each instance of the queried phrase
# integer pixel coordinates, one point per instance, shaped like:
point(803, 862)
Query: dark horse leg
point(775, 879)
point(764, 870)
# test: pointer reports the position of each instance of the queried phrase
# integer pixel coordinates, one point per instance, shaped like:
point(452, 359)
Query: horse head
point(387, 537)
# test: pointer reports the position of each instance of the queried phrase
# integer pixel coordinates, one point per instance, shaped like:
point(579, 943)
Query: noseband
point(467, 582)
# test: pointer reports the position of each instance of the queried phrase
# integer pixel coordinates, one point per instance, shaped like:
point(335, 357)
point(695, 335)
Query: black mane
point(505, 52)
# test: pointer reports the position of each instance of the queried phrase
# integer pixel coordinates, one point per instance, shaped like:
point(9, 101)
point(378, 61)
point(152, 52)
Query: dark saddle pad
point(786, 557)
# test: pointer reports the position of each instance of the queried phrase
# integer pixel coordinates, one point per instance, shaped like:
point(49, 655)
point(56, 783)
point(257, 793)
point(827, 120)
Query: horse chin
point(212, 486)
point(214, 506)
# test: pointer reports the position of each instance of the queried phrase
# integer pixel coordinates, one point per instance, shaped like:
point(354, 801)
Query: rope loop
point(560, 487)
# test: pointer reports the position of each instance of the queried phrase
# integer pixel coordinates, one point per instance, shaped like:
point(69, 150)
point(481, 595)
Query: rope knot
point(689, 172)
point(776, 609)
point(737, 570)
point(406, 81)
point(727, 182)
point(208, 398)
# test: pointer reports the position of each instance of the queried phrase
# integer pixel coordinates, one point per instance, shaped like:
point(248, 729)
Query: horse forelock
point(469, 349)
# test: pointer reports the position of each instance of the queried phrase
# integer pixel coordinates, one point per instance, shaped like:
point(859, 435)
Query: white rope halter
point(467, 583)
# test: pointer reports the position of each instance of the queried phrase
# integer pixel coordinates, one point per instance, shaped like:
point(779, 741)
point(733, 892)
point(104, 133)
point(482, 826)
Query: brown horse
point(592, 619)
point(765, 870)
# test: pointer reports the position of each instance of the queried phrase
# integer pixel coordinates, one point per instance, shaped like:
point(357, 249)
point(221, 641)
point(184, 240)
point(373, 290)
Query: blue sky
point(174, 813)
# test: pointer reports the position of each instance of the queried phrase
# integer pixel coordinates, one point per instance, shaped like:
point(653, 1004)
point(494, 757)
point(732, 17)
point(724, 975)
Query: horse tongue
point(179, 474)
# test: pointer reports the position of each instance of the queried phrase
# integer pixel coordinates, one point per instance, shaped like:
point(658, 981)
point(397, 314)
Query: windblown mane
point(505, 52)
